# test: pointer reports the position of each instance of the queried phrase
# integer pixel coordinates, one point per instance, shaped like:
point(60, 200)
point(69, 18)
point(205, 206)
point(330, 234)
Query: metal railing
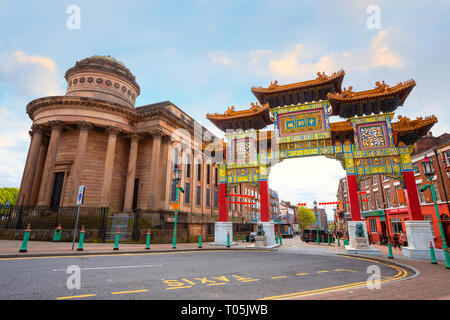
point(46, 218)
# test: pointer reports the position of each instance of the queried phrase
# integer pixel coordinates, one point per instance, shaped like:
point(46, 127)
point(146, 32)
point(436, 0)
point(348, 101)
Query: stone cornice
point(57, 101)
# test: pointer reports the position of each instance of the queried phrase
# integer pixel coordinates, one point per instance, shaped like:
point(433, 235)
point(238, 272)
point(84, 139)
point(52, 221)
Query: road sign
point(80, 196)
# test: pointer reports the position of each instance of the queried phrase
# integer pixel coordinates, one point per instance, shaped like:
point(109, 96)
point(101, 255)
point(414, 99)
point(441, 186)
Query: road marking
point(178, 287)
point(346, 270)
point(129, 254)
point(190, 282)
point(215, 284)
point(301, 274)
point(323, 271)
point(250, 280)
point(74, 297)
point(120, 267)
point(134, 291)
point(402, 273)
point(279, 277)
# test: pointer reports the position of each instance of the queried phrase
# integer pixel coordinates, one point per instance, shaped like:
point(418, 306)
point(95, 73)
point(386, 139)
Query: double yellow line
point(402, 273)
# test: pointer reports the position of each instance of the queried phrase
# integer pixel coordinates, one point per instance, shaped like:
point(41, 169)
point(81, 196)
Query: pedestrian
point(404, 239)
point(396, 243)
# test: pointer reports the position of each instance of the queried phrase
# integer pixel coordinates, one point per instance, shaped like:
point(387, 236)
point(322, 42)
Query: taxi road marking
point(74, 297)
point(134, 291)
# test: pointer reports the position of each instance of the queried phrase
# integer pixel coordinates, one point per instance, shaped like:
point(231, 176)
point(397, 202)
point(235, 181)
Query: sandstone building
point(124, 155)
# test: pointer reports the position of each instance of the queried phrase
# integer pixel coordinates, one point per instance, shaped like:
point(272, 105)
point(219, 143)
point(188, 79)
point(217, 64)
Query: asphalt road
point(205, 275)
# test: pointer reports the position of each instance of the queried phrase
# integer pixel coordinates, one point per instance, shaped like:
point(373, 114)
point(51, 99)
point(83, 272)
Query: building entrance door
point(57, 190)
point(383, 236)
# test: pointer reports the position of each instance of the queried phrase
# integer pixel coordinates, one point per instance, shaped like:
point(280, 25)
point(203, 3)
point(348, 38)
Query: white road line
point(120, 267)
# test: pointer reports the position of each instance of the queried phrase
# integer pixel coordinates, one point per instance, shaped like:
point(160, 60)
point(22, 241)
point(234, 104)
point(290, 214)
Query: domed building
point(123, 155)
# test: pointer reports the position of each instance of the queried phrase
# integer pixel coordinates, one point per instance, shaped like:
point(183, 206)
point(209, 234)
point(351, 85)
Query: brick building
point(382, 198)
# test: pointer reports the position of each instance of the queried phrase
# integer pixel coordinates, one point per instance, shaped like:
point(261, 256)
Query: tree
point(9, 194)
point(306, 218)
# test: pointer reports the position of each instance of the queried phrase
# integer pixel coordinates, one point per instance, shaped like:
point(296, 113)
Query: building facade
point(124, 155)
point(383, 199)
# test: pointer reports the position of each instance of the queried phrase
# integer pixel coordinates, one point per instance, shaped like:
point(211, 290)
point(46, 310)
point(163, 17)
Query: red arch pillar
point(223, 203)
point(412, 196)
point(352, 189)
point(264, 198)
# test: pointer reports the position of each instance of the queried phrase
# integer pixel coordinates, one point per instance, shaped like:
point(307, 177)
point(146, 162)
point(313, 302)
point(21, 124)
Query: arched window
point(188, 165)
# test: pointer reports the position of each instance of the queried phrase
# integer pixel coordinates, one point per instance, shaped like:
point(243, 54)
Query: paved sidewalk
point(10, 248)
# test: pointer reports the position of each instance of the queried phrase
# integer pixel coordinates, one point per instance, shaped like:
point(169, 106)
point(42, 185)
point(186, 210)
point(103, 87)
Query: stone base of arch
point(354, 246)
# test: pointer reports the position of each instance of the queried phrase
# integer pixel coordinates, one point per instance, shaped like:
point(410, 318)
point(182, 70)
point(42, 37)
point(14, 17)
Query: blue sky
point(206, 55)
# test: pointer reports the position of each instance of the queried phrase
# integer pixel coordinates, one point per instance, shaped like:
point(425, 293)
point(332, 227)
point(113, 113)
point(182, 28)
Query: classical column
point(30, 166)
point(39, 170)
point(83, 128)
point(131, 173)
point(264, 198)
point(154, 168)
point(352, 188)
point(109, 164)
point(412, 199)
point(47, 176)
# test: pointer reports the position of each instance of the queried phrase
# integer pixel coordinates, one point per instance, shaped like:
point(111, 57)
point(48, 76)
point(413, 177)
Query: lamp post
point(177, 173)
point(317, 222)
point(428, 170)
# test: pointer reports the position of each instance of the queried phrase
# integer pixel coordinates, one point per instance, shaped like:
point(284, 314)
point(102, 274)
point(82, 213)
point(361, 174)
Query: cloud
point(220, 57)
point(29, 76)
point(296, 63)
point(14, 140)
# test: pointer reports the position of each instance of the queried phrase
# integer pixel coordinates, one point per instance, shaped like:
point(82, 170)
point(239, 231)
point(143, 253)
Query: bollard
point(81, 241)
point(237, 238)
point(329, 240)
point(26, 237)
point(323, 241)
point(276, 239)
point(116, 243)
point(243, 238)
point(390, 255)
point(147, 244)
point(433, 255)
point(228, 239)
point(57, 234)
point(281, 239)
point(339, 242)
point(200, 241)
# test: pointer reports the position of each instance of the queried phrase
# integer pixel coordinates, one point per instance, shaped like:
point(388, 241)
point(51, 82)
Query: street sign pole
point(80, 198)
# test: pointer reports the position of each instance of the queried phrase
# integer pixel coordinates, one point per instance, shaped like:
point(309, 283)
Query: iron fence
point(157, 219)
point(46, 218)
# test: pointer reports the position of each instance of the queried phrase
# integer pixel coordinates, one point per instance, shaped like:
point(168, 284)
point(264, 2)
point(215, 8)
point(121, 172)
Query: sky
point(205, 55)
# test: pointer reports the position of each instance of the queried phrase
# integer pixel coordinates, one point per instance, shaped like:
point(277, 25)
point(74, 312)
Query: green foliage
point(9, 194)
point(306, 218)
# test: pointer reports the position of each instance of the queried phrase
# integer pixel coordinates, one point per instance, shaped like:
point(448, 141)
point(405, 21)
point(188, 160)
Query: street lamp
point(428, 170)
point(317, 222)
point(177, 174)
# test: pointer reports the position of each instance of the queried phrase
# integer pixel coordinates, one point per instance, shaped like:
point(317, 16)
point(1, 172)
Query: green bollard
point(228, 239)
point(147, 244)
point(323, 241)
point(200, 241)
point(390, 255)
point(276, 239)
point(57, 234)
point(243, 238)
point(81, 241)
point(433, 255)
point(26, 237)
point(339, 242)
point(116, 243)
point(281, 239)
point(329, 242)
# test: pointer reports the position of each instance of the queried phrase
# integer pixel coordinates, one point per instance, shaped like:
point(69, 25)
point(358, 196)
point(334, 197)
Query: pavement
point(430, 282)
